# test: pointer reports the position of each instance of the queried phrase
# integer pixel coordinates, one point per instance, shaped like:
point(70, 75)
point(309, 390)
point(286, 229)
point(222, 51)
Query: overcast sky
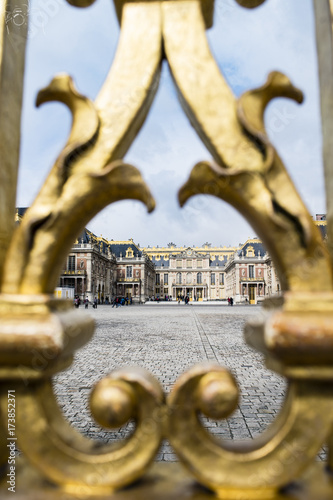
point(247, 45)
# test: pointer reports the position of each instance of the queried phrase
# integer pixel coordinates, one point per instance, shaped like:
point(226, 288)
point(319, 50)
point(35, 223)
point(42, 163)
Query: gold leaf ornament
point(73, 461)
point(68, 199)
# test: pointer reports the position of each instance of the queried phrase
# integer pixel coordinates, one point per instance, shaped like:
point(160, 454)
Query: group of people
point(117, 301)
point(121, 301)
point(230, 301)
point(77, 302)
point(184, 298)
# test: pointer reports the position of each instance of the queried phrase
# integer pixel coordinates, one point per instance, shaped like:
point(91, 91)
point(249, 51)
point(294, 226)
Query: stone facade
point(91, 269)
point(135, 271)
point(213, 273)
point(197, 272)
point(105, 269)
point(247, 274)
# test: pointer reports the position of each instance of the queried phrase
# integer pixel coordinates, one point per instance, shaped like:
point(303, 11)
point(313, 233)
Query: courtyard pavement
point(167, 341)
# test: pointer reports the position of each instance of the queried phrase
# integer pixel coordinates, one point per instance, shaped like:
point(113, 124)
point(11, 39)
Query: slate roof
point(21, 211)
point(323, 230)
point(119, 249)
point(258, 247)
point(217, 262)
point(160, 263)
point(84, 237)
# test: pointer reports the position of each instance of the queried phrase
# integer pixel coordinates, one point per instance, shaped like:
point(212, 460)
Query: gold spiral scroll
point(254, 469)
point(78, 464)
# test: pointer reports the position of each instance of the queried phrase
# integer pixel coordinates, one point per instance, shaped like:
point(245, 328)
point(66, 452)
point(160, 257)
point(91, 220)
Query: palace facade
point(105, 269)
point(198, 272)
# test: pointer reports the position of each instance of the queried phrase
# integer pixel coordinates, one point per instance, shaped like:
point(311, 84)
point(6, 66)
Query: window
point(199, 263)
point(129, 253)
point(179, 278)
point(178, 263)
point(189, 264)
point(199, 278)
point(158, 279)
point(221, 279)
point(212, 279)
point(71, 263)
point(251, 271)
point(250, 252)
point(129, 271)
point(165, 279)
point(189, 278)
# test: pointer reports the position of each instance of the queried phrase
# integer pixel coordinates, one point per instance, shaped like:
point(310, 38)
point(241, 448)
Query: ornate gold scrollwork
point(35, 257)
point(66, 457)
point(248, 173)
point(89, 174)
point(257, 468)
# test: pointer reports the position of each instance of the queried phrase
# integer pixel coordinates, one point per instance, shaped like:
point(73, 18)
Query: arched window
point(199, 278)
point(179, 278)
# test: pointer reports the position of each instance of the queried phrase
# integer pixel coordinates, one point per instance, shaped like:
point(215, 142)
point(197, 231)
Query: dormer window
point(250, 252)
point(129, 253)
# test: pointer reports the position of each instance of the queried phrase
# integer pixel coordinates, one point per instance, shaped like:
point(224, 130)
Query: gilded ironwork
point(295, 334)
point(263, 465)
point(12, 52)
point(67, 458)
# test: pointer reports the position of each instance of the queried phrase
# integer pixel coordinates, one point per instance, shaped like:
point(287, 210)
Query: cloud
point(247, 45)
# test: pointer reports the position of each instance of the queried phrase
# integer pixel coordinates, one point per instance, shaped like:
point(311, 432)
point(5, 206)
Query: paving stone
point(167, 341)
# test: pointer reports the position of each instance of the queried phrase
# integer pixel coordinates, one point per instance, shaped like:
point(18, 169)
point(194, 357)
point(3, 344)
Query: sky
point(246, 44)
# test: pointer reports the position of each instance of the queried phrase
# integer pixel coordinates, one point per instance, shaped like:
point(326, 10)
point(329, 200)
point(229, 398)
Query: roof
point(252, 248)
point(84, 237)
point(124, 249)
point(20, 211)
point(160, 261)
point(322, 226)
point(217, 261)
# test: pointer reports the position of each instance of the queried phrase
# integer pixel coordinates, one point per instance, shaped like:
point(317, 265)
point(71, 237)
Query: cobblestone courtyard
point(168, 339)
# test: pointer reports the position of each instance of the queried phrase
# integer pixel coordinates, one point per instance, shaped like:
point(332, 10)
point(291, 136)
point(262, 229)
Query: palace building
point(105, 269)
point(197, 272)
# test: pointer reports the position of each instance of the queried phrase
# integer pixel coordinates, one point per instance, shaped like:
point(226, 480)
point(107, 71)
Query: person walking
point(86, 302)
point(95, 303)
